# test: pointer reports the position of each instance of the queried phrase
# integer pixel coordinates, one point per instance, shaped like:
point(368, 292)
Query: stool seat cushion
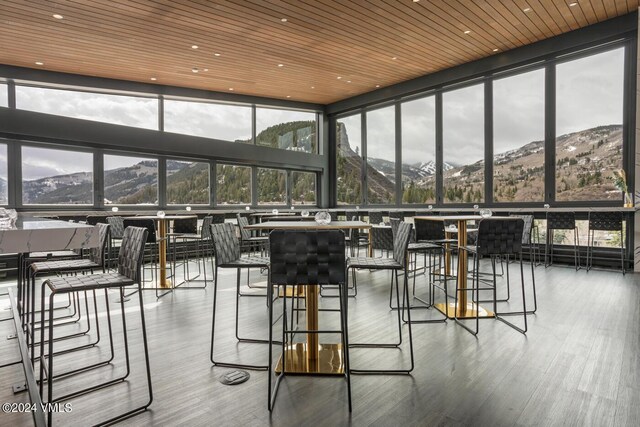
point(54, 254)
point(374, 263)
point(62, 265)
point(88, 282)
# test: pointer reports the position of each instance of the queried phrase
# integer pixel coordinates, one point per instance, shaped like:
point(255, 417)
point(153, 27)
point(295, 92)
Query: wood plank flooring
point(579, 364)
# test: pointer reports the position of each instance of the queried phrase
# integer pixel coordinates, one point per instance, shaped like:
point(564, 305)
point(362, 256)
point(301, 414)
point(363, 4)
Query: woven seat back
point(605, 221)
point(117, 226)
point(149, 224)
point(561, 220)
point(225, 242)
point(307, 257)
point(500, 236)
point(185, 226)
point(131, 252)
point(97, 254)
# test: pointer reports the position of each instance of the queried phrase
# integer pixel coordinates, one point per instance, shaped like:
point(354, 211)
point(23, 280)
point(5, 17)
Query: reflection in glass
point(56, 177)
point(233, 185)
point(286, 129)
point(381, 158)
point(463, 144)
point(589, 102)
point(303, 188)
point(116, 109)
point(4, 191)
point(272, 187)
point(187, 183)
point(419, 150)
point(130, 180)
point(349, 160)
point(518, 138)
point(218, 121)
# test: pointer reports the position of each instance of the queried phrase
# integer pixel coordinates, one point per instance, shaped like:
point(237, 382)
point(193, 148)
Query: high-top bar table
point(162, 227)
point(312, 357)
point(462, 309)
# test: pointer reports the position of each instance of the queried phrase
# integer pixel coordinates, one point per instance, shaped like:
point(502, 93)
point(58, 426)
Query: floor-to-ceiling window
point(463, 144)
point(518, 137)
point(381, 157)
point(286, 129)
point(187, 183)
point(589, 108)
point(233, 185)
point(419, 150)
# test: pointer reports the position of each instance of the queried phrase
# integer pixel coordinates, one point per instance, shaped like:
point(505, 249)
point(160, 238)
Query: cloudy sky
point(419, 130)
point(226, 122)
point(381, 133)
point(4, 101)
point(41, 162)
point(463, 125)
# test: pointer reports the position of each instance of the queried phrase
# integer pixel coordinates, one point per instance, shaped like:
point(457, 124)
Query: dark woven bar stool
point(398, 264)
point(497, 238)
point(228, 255)
point(186, 231)
point(96, 261)
point(308, 258)
point(249, 242)
point(375, 217)
point(561, 221)
point(129, 273)
point(604, 221)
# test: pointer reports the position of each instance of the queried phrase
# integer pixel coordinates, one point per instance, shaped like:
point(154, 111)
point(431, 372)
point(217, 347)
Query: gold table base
point(454, 311)
point(289, 292)
point(298, 361)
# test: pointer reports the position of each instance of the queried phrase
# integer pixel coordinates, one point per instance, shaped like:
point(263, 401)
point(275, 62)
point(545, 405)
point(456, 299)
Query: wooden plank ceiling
point(317, 51)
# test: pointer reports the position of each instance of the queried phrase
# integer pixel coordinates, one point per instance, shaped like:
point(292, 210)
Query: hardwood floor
point(579, 364)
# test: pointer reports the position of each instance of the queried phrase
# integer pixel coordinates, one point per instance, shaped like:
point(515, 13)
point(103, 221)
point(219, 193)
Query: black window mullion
point(488, 142)
point(439, 151)
point(363, 143)
point(398, 159)
point(550, 134)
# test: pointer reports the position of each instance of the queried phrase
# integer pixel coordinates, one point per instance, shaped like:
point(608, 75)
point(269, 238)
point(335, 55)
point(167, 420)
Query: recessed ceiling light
point(416, 1)
point(280, 65)
point(206, 69)
point(57, 16)
point(194, 46)
point(288, 96)
point(230, 88)
point(153, 79)
point(348, 81)
point(496, 49)
point(313, 87)
point(573, 4)
point(377, 85)
point(217, 54)
point(283, 20)
point(339, 77)
point(467, 31)
point(394, 57)
point(39, 63)
point(526, 9)
point(194, 70)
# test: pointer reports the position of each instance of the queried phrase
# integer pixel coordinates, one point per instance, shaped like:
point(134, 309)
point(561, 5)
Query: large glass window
point(130, 180)
point(518, 138)
point(272, 187)
point(381, 157)
point(116, 109)
point(463, 144)
point(4, 191)
point(419, 150)
point(234, 185)
point(54, 177)
point(303, 188)
point(187, 183)
point(286, 129)
point(349, 160)
point(589, 103)
point(4, 95)
point(218, 121)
